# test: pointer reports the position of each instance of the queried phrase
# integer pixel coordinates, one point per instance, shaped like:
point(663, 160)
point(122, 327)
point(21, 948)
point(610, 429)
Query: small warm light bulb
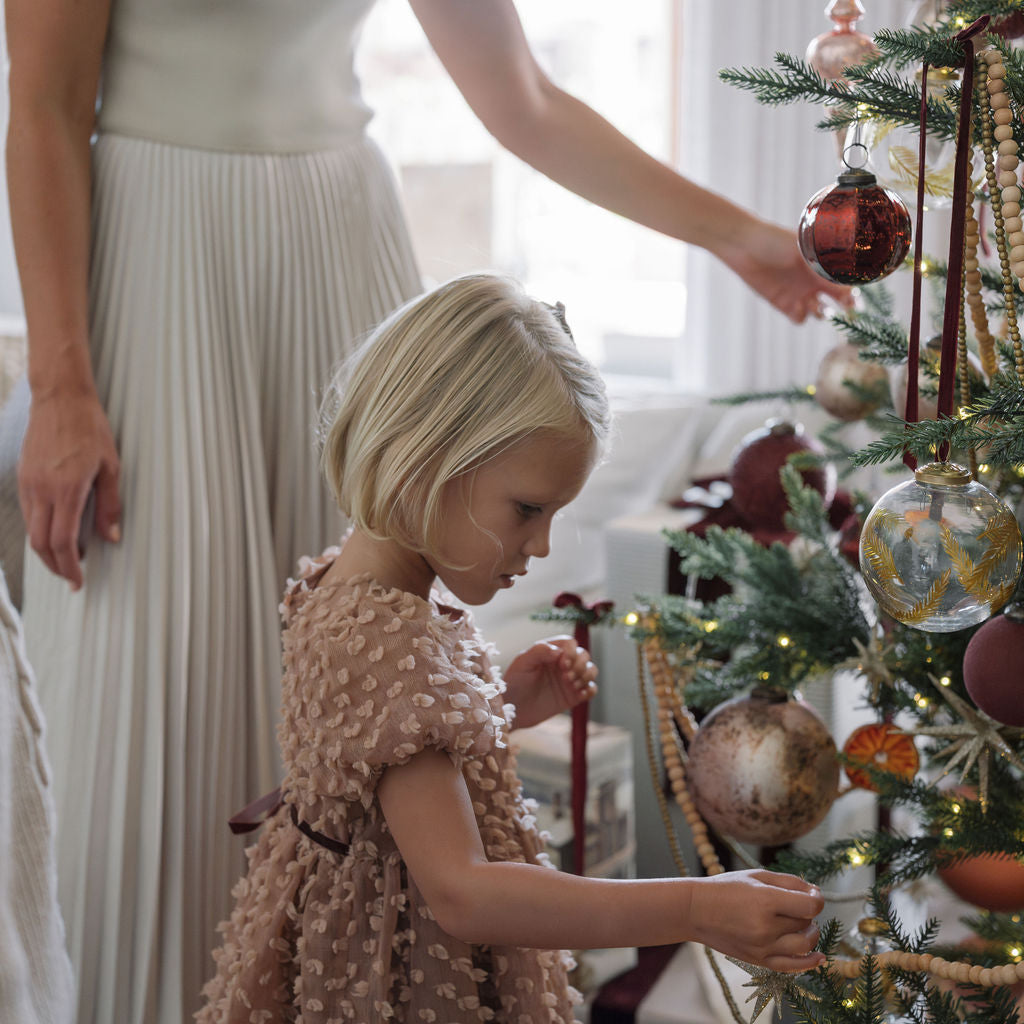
point(1015, 952)
point(855, 857)
point(945, 681)
point(948, 833)
point(960, 22)
point(955, 807)
point(984, 468)
point(631, 618)
point(710, 626)
point(784, 641)
point(925, 267)
point(849, 1003)
point(764, 676)
point(811, 389)
point(920, 700)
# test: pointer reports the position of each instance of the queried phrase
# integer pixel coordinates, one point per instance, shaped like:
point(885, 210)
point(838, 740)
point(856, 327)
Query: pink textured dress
point(329, 928)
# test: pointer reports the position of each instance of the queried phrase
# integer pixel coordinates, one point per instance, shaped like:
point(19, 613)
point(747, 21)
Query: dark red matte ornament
point(992, 667)
point(855, 231)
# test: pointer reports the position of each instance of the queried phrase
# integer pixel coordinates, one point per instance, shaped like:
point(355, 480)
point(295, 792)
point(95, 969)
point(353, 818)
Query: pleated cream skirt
point(225, 288)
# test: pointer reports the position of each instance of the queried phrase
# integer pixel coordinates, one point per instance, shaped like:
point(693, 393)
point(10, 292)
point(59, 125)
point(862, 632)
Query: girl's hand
point(68, 451)
point(760, 917)
point(552, 676)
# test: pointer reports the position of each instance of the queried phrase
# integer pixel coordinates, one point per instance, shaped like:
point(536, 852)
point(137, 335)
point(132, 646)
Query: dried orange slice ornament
point(883, 746)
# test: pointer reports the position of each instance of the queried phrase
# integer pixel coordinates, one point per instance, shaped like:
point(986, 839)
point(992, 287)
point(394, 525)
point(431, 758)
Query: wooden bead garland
point(1001, 163)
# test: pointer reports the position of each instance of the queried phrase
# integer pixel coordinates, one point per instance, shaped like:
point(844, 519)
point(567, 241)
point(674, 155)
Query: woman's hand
point(760, 917)
point(552, 676)
point(68, 451)
point(768, 259)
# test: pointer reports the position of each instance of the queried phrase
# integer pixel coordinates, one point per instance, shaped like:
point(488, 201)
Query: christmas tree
point(916, 591)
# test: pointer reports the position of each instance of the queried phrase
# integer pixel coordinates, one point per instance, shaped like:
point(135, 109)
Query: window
point(472, 205)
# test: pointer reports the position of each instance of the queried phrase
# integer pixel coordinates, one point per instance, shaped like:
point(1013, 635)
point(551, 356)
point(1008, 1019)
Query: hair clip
point(559, 311)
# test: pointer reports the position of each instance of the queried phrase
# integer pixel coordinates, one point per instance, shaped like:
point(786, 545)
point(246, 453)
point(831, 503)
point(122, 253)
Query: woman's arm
point(482, 46)
point(758, 916)
point(55, 48)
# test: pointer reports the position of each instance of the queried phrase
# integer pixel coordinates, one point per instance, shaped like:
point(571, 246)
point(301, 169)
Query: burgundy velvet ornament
point(992, 667)
point(854, 231)
point(757, 493)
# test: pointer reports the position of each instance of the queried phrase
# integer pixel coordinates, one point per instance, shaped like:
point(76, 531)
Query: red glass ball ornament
point(757, 493)
point(854, 231)
point(763, 768)
point(992, 667)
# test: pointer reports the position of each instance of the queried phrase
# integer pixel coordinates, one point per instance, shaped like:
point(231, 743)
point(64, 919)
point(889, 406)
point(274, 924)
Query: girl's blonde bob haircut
point(446, 383)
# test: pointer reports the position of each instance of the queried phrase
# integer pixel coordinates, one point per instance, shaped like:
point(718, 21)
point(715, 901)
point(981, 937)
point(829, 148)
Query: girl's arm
point(482, 46)
point(758, 916)
point(55, 48)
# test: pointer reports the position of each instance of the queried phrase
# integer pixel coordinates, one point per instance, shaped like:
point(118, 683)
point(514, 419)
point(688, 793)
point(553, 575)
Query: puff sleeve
point(382, 683)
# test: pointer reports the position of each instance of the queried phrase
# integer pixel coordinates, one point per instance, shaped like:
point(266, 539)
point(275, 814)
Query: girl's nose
point(538, 544)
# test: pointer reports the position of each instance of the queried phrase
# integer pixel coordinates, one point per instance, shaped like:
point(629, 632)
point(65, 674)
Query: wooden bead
point(1017, 269)
point(1011, 194)
point(973, 278)
point(1016, 254)
point(996, 86)
point(1006, 974)
point(1003, 132)
point(999, 101)
point(1007, 146)
point(1012, 224)
point(986, 976)
point(1007, 162)
point(1011, 209)
point(997, 69)
point(991, 56)
point(1007, 178)
point(1015, 238)
point(963, 973)
point(970, 264)
point(974, 974)
point(1003, 115)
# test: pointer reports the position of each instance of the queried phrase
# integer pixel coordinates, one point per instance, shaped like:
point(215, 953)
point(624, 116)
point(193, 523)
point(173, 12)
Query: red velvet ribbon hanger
point(954, 279)
point(589, 614)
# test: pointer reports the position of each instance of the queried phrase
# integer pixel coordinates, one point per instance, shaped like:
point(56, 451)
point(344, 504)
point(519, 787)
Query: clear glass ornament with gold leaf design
point(893, 150)
point(940, 552)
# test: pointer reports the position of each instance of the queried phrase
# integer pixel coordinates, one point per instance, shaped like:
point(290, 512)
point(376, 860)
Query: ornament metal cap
point(872, 926)
point(858, 177)
point(944, 474)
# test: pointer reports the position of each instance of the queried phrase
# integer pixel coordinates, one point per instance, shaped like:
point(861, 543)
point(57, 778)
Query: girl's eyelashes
point(528, 511)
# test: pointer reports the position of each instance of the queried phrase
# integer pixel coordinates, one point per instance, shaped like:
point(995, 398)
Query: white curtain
point(770, 159)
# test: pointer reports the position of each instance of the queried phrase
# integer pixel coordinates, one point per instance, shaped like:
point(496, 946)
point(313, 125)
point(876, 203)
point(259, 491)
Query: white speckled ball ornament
point(847, 386)
point(763, 768)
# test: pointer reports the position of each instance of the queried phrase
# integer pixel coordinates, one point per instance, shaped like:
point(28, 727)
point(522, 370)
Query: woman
point(190, 275)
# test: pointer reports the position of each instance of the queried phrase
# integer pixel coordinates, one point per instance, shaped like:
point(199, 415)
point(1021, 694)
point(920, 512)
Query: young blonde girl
point(403, 878)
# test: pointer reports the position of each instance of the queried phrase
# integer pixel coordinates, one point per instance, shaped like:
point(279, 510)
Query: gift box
point(545, 771)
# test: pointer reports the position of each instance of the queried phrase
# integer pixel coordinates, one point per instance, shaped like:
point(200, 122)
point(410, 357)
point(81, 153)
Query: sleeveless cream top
point(240, 75)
